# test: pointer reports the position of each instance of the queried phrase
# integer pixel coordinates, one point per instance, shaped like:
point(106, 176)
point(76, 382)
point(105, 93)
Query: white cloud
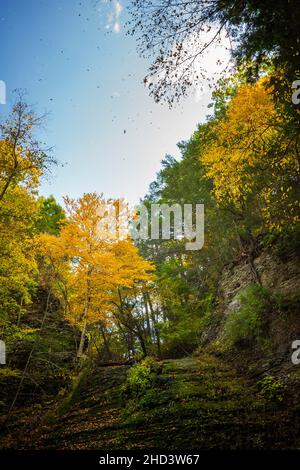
point(113, 18)
point(118, 8)
point(211, 64)
point(116, 27)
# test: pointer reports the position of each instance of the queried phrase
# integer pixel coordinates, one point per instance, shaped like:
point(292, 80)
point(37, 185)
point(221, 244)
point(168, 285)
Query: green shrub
point(180, 338)
point(272, 388)
point(7, 373)
point(141, 377)
point(245, 326)
point(284, 244)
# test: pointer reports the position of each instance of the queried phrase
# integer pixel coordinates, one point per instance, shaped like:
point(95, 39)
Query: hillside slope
point(196, 403)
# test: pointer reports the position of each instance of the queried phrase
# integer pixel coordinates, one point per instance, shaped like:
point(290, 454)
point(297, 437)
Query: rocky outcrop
point(279, 277)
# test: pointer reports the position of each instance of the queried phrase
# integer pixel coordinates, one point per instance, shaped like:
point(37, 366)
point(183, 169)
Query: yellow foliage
point(16, 166)
point(17, 248)
point(251, 155)
point(91, 266)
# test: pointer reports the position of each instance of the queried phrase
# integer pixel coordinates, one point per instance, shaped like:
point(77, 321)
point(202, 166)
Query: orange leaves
point(97, 266)
point(50, 246)
point(131, 267)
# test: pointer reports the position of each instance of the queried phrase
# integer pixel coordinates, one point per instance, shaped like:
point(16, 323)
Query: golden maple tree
point(91, 266)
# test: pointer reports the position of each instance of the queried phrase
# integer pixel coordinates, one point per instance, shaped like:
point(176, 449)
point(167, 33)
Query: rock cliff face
point(281, 278)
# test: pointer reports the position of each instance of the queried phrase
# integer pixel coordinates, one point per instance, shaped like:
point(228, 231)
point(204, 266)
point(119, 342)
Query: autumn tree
point(22, 163)
point(253, 162)
point(99, 265)
point(23, 158)
point(18, 267)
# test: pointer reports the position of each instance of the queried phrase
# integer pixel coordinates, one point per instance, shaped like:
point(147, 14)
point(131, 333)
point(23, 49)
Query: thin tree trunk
point(106, 345)
point(82, 338)
point(19, 311)
point(16, 162)
point(85, 316)
point(147, 316)
point(143, 344)
point(6, 185)
point(155, 326)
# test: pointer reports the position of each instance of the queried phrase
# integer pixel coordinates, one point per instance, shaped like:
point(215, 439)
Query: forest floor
point(197, 403)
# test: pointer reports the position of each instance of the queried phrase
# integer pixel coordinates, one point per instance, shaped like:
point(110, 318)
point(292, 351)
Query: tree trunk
point(85, 315)
point(149, 330)
point(155, 326)
point(105, 341)
point(143, 344)
point(81, 344)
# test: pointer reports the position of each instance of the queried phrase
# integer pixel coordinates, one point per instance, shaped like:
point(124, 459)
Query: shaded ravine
point(198, 403)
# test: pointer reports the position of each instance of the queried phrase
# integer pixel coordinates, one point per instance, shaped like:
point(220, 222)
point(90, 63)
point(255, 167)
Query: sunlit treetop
point(176, 33)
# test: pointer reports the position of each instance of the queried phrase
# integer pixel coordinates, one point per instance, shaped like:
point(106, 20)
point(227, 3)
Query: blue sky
point(77, 64)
